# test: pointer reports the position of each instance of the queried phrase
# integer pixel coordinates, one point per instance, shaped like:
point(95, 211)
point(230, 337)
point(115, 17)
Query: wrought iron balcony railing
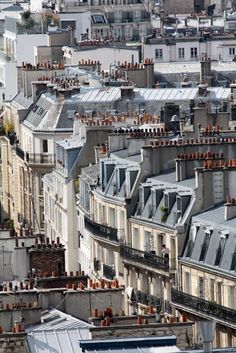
point(144, 257)
point(108, 272)
point(101, 230)
point(203, 306)
point(35, 158)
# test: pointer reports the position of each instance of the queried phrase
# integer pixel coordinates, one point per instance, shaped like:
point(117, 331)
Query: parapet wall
point(182, 331)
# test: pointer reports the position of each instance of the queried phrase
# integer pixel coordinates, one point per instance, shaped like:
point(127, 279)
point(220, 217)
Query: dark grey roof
point(163, 344)
point(215, 218)
point(14, 7)
point(220, 233)
point(158, 201)
point(170, 177)
point(118, 176)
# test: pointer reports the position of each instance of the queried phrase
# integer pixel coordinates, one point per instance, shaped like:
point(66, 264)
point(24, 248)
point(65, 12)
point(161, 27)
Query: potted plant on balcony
point(165, 214)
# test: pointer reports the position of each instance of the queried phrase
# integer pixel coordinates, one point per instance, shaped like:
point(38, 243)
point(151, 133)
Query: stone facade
point(13, 343)
point(182, 330)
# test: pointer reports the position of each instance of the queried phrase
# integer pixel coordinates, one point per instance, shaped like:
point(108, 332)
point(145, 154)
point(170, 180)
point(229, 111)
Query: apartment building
point(61, 185)
point(120, 20)
point(130, 226)
point(207, 266)
point(43, 45)
point(32, 126)
point(191, 48)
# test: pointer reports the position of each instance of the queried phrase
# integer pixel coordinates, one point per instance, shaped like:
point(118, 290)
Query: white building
point(61, 185)
point(106, 55)
point(190, 49)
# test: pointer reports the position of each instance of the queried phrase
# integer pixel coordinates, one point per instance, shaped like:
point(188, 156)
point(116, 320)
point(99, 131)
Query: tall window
point(45, 146)
point(159, 54)
point(205, 246)
point(232, 51)
point(193, 52)
point(220, 250)
point(181, 53)
point(231, 296)
point(212, 289)
point(187, 282)
point(201, 287)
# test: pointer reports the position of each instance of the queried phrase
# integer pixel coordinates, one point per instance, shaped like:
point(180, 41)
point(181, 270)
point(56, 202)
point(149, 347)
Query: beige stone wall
point(212, 283)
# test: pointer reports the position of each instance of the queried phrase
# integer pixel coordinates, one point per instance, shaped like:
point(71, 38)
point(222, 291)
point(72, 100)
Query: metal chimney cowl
point(207, 329)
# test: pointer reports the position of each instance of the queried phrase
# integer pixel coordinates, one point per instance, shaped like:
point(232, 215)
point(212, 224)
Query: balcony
point(202, 306)
point(147, 299)
point(100, 230)
point(145, 258)
point(35, 158)
point(108, 272)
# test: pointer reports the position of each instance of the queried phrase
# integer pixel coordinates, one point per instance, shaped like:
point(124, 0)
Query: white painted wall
point(106, 56)
point(26, 52)
point(8, 78)
point(83, 21)
point(216, 50)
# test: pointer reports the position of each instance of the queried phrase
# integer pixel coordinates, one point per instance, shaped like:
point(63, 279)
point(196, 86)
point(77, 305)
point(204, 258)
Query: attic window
point(35, 108)
point(221, 248)
point(98, 19)
point(205, 246)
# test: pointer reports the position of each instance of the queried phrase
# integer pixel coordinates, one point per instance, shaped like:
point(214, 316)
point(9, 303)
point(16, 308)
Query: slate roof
point(219, 232)
point(161, 188)
point(21, 102)
point(50, 114)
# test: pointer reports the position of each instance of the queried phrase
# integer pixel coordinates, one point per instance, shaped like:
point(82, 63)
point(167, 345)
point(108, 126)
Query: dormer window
point(205, 246)
point(233, 263)
point(193, 232)
point(182, 203)
point(220, 249)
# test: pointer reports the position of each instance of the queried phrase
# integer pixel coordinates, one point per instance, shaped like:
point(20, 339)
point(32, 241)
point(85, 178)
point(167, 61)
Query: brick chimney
point(127, 91)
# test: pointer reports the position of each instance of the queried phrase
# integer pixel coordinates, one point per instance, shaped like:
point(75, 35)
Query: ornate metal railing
point(36, 158)
point(108, 272)
point(144, 257)
point(101, 230)
point(203, 306)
